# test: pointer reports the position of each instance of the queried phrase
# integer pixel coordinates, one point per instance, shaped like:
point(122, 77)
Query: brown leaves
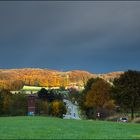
point(98, 95)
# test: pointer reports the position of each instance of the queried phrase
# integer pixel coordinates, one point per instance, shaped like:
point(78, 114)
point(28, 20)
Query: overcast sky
point(95, 36)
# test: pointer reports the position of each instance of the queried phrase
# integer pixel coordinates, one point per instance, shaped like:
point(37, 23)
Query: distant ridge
point(13, 78)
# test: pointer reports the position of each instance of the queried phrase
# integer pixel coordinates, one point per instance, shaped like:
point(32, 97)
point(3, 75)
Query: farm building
point(28, 90)
point(32, 89)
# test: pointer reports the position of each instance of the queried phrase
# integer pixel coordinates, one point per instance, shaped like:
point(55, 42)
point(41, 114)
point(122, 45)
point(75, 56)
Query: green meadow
point(55, 128)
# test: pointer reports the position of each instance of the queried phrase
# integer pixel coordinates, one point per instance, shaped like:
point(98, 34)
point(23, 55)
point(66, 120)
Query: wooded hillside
point(15, 79)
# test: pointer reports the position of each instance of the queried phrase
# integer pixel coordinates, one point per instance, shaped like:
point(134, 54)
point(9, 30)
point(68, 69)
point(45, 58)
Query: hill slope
point(14, 79)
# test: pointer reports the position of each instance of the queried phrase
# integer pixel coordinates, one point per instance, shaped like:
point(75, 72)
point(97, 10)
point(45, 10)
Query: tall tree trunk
point(132, 113)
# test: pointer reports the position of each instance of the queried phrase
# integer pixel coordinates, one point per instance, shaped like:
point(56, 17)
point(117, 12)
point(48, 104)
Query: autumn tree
point(99, 96)
point(89, 84)
point(16, 85)
point(96, 98)
point(89, 112)
point(126, 91)
point(57, 109)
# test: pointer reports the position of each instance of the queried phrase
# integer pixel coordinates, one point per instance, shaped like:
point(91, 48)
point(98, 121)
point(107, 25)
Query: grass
point(54, 128)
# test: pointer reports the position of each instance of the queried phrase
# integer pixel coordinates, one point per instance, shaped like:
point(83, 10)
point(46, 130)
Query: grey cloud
point(60, 33)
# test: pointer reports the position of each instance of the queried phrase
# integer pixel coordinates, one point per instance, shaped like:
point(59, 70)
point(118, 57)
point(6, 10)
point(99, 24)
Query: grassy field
point(54, 128)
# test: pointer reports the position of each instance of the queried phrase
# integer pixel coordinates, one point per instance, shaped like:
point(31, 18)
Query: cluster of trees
point(50, 95)
point(47, 103)
point(11, 84)
point(99, 99)
point(126, 92)
point(50, 103)
point(13, 105)
point(95, 99)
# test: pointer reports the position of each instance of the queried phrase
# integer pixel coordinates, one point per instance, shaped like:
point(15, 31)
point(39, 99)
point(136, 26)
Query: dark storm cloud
point(95, 36)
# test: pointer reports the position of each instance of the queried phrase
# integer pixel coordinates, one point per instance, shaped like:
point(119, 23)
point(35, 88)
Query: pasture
point(55, 128)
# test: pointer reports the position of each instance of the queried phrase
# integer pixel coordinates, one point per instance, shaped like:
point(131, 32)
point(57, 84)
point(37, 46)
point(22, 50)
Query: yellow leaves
point(57, 108)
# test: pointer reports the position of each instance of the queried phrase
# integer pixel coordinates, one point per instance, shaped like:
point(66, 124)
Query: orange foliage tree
point(99, 96)
point(58, 108)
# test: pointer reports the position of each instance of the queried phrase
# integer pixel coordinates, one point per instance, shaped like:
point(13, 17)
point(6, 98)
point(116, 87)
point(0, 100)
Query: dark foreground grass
point(54, 128)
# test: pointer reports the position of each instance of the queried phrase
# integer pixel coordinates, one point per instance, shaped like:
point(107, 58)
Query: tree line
point(48, 103)
point(100, 99)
